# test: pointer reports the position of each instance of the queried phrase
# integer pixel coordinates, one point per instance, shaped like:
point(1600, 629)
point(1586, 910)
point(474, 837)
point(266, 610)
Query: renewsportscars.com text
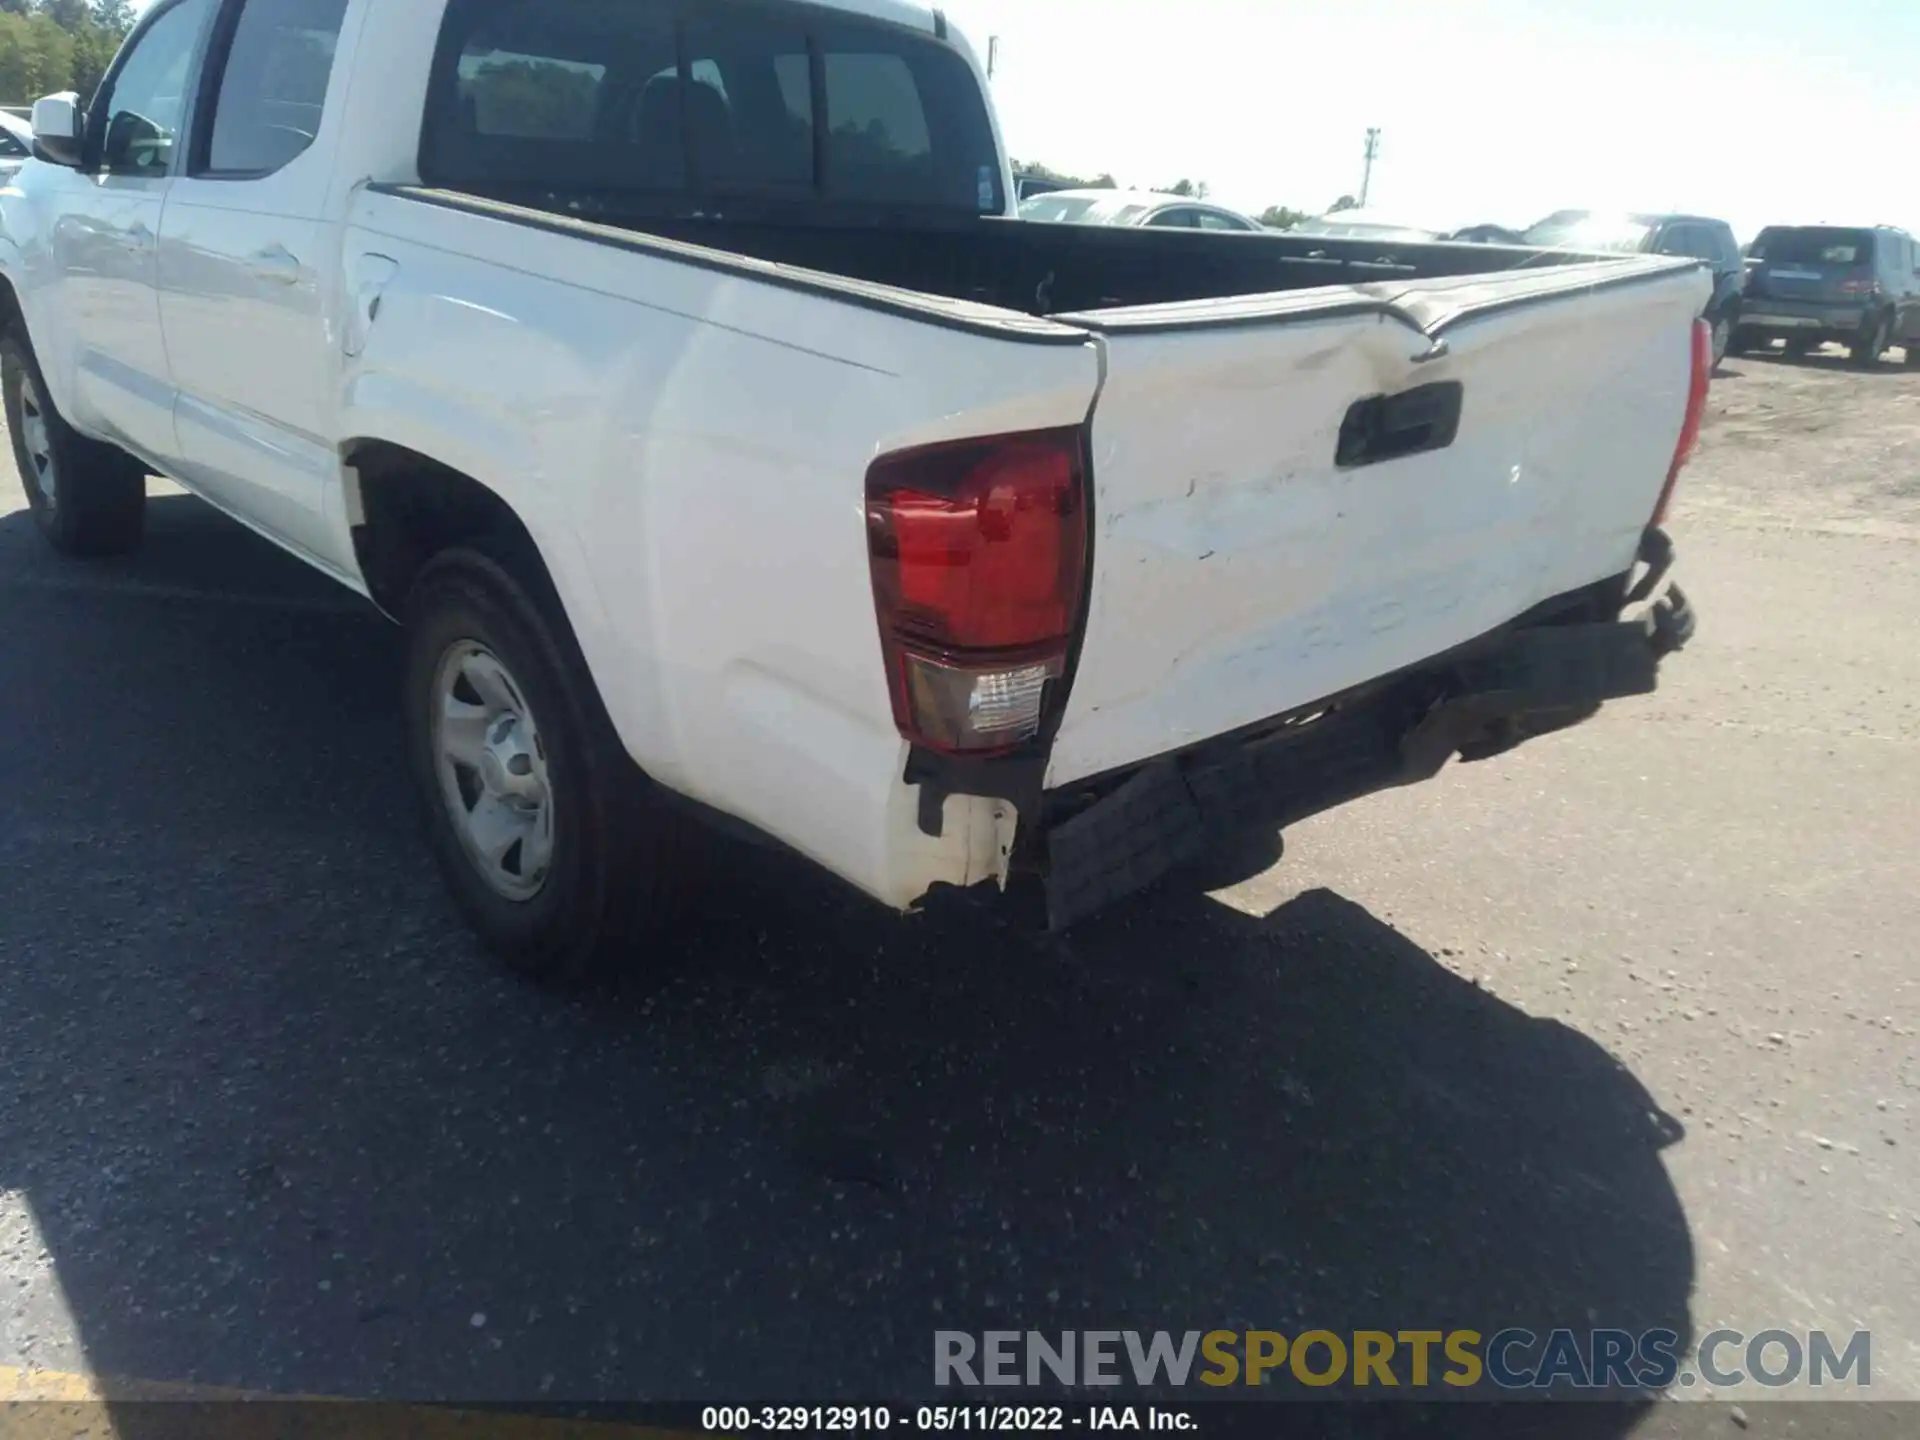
point(1508, 1359)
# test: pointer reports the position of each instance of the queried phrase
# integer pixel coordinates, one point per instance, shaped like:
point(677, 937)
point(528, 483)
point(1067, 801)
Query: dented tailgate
point(1298, 493)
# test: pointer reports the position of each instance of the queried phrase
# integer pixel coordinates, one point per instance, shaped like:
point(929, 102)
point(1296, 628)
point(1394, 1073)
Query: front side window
point(657, 97)
point(141, 110)
point(273, 87)
point(1214, 220)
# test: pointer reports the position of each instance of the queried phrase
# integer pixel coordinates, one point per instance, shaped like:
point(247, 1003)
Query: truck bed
point(1044, 269)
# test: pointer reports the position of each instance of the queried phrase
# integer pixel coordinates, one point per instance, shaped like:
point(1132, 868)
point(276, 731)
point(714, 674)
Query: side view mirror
point(58, 129)
point(134, 144)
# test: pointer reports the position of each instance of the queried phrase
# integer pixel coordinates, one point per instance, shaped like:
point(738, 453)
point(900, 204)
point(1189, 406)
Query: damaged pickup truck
point(679, 376)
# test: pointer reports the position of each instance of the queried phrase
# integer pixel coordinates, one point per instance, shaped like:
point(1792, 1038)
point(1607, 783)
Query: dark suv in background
point(1855, 286)
point(1700, 236)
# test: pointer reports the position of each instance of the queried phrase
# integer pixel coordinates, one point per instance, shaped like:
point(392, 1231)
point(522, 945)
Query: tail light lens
point(979, 553)
point(1696, 412)
point(1859, 285)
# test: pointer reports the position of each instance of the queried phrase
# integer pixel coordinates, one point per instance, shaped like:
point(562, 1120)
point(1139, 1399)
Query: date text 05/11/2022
point(940, 1419)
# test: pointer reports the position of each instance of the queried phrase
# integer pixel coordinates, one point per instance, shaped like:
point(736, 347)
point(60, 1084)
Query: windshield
point(1817, 245)
point(1583, 230)
point(1062, 208)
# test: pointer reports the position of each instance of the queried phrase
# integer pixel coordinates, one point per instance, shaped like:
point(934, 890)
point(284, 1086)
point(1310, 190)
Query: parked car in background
point(1487, 235)
point(1382, 225)
point(1134, 207)
point(1700, 236)
point(1367, 225)
point(1811, 285)
point(1025, 187)
point(16, 144)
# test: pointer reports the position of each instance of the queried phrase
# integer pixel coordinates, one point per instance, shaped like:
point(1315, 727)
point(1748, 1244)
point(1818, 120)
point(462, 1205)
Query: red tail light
point(1859, 287)
point(1696, 412)
point(979, 552)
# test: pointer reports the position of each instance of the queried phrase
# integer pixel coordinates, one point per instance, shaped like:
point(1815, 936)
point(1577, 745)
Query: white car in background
point(1385, 226)
point(1134, 207)
point(1367, 225)
point(16, 144)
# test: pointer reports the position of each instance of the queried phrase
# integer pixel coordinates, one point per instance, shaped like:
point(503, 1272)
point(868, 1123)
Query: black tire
point(1722, 339)
point(614, 880)
point(1799, 349)
point(1913, 354)
point(87, 498)
point(1866, 352)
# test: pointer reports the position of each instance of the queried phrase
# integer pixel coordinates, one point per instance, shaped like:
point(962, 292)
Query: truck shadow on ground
point(280, 1127)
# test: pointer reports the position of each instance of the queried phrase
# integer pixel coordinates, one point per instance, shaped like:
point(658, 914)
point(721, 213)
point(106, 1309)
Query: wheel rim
point(36, 440)
point(493, 771)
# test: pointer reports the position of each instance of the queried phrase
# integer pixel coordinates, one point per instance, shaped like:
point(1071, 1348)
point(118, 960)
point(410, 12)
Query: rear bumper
point(1547, 671)
point(1803, 316)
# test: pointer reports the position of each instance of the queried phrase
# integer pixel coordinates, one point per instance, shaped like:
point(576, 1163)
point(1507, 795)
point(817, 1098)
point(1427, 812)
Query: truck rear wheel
point(558, 851)
point(87, 498)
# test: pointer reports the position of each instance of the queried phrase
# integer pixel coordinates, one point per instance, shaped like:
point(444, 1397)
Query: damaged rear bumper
point(1549, 670)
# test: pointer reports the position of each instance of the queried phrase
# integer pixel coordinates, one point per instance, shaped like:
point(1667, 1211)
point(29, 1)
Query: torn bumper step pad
point(1486, 699)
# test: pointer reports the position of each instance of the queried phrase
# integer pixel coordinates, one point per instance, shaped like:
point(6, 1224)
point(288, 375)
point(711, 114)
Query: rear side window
point(657, 97)
point(273, 84)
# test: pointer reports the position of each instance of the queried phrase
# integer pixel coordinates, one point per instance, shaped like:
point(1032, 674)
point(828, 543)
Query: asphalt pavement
point(1616, 1030)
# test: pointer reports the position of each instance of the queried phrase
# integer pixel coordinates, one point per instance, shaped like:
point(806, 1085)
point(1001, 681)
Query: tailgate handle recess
point(1387, 427)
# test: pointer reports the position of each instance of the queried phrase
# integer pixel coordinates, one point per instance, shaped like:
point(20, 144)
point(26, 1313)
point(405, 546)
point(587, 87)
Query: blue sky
point(1492, 110)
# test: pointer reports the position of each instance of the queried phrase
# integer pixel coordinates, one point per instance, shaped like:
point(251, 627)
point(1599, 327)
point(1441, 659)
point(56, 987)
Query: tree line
point(1281, 217)
point(47, 46)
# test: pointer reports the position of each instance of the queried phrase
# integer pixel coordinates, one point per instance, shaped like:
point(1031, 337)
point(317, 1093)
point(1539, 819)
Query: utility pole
point(1373, 153)
point(993, 54)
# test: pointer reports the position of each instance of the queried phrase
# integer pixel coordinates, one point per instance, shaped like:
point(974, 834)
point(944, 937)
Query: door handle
point(275, 264)
point(1388, 427)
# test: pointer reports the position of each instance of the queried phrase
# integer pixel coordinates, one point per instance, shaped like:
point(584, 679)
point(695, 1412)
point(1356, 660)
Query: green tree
point(1280, 217)
point(58, 45)
point(546, 99)
point(36, 58)
point(1345, 202)
point(93, 51)
point(1190, 189)
point(69, 15)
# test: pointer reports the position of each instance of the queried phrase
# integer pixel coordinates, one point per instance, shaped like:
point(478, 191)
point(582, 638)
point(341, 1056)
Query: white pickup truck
point(680, 377)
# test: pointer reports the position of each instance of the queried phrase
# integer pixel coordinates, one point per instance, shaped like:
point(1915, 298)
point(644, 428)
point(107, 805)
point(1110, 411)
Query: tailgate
point(1249, 559)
